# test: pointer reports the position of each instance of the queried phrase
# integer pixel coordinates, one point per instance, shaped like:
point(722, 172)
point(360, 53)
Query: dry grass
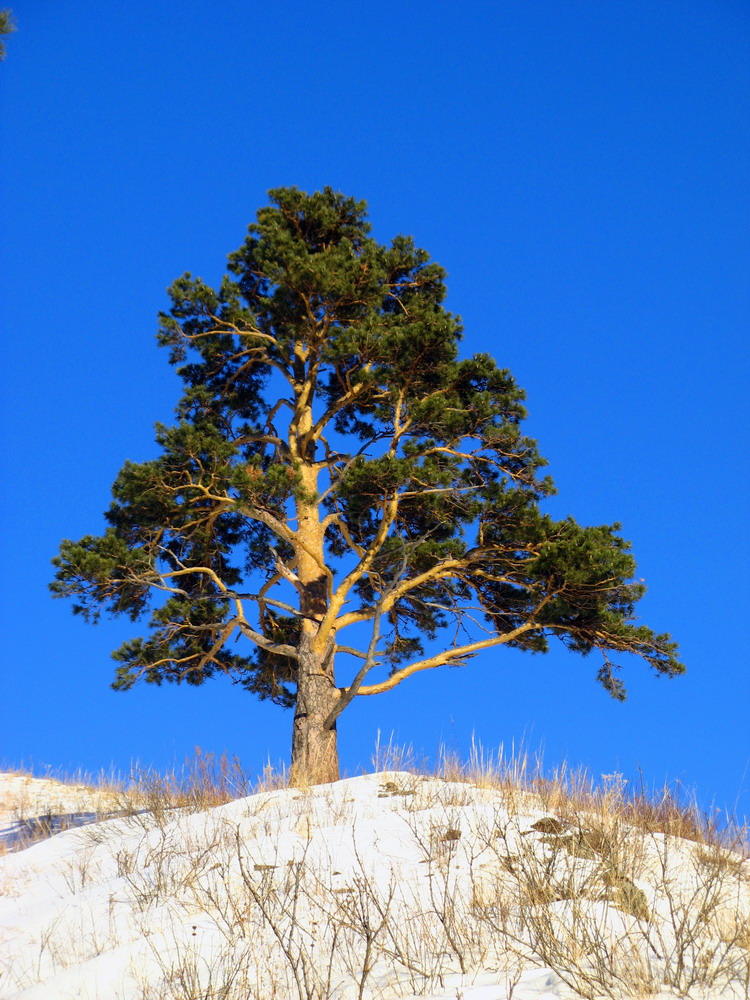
point(621, 894)
point(41, 807)
point(206, 780)
point(521, 777)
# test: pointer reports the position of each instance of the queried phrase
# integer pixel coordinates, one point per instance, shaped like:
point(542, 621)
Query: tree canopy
point(7, 27)
point(340, 489)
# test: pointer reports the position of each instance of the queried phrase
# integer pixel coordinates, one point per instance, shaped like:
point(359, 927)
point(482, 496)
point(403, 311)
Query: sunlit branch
point(449, 656)
point(241, 620)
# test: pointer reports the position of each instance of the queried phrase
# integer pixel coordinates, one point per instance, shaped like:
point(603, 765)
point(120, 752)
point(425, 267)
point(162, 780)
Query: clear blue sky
point(581, 171)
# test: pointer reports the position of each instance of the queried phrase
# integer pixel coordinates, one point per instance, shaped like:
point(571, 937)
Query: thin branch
point(260, 640)
point(336, 407)
point(284, 571)
point(350, 693)
point(451, 655)
point(223, 636)
point(351, 651)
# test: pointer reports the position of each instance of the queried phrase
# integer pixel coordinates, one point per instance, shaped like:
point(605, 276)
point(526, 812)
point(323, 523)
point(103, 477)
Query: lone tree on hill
point(340, 485)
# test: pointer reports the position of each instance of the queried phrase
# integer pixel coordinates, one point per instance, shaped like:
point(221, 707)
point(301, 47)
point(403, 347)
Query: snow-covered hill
point(387, 885)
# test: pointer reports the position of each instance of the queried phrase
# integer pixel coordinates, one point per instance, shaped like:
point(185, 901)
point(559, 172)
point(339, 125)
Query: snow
point(382, 886)
point(30, 806)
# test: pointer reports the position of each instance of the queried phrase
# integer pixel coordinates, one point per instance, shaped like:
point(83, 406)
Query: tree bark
point(315, 759)
point(314, 750)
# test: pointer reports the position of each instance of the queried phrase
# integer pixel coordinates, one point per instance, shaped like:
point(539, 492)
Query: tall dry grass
point(621, 893)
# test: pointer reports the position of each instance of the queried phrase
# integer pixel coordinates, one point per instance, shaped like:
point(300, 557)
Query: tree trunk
point(315, 759)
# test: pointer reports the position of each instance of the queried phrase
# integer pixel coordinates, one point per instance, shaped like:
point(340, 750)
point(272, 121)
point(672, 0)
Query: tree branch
point(449, 656)
point(260, 640)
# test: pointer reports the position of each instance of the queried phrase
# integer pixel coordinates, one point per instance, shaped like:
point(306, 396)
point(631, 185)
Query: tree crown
point(336, 462)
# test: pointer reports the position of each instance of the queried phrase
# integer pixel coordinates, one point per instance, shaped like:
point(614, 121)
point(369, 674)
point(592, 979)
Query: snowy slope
point(387, 885)
point(31, 806)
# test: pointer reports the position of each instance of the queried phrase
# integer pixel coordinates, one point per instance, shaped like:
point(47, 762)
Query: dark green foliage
point(323, 382)
point(7, 27)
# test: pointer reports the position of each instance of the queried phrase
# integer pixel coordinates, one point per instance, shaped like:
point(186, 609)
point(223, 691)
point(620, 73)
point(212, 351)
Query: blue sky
point(581, 171)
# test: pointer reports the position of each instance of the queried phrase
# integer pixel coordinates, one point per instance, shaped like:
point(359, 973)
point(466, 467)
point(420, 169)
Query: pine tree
point(340, 488)
point(7, 27)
